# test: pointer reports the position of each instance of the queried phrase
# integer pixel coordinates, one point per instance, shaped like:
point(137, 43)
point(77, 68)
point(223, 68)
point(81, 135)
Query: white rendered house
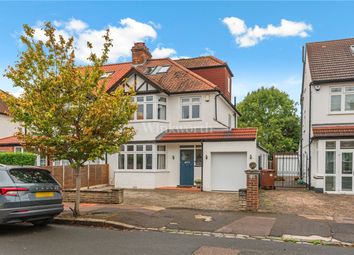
point(327, 100)
point(186, 125)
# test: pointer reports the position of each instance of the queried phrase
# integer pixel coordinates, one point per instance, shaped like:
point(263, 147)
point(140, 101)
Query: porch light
point(206, 156)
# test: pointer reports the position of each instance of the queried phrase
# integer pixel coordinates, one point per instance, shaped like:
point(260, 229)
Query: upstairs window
point(150, 108)
point(190, 108)
point(229, 85)
point(161, 108)
point(342, 99)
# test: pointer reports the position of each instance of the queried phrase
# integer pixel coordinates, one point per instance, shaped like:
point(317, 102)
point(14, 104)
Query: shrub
point(19, 159)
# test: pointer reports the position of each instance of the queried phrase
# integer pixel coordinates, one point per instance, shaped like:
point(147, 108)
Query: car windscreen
point(27, 175)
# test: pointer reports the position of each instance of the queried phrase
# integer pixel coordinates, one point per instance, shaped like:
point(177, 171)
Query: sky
point(260, 41)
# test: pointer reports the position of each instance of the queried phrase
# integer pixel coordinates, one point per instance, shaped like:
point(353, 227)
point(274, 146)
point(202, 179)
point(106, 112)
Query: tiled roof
point(119, 70)
point(204, 61)
point(333, 131)
point(177, 78)
point(9, 140)
point(212, 135)
point(331, 60)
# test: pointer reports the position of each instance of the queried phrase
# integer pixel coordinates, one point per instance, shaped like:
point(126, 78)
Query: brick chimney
point(140, 53)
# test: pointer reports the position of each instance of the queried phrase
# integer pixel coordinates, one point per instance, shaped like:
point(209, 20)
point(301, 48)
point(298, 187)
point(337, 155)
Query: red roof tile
point(119, 70)
point(333, 131)
point(212, 135)
point(177, 78)
point(204, 61)
point(331, 60)
point(9, 140)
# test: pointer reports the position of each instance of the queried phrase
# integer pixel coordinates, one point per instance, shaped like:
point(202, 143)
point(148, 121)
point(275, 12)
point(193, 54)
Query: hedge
point(17, 158)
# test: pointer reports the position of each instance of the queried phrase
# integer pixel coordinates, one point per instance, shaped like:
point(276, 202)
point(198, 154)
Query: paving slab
point(300, 226)
point(250, 225)
point(210, 250)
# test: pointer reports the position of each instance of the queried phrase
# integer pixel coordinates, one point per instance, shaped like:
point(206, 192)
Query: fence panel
point(91, 175)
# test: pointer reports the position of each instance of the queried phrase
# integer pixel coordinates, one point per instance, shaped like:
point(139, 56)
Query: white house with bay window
point(185, 123)
point(327, 142)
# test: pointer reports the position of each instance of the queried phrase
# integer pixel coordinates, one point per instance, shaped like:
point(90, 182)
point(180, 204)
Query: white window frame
point(338, 174)
point(153, 152)
point(342, 95)
point(20, 148)
point(229, 84)
point(155, 103)
point(190, 105)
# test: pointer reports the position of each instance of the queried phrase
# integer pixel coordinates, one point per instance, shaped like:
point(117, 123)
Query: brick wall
point(252, 197)
point(218, 76)
point(114, 196)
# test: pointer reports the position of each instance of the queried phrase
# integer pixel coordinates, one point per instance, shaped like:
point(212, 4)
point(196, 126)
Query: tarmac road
point(59, 239)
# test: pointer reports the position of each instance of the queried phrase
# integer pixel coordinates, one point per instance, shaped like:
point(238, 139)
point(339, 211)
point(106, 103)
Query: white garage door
point(228, 171)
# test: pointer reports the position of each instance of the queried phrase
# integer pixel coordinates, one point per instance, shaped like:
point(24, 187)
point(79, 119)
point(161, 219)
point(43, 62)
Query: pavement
point(24, 239)
point(282, 227)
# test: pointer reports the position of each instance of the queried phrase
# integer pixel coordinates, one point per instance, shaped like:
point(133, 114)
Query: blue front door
point(187, 168)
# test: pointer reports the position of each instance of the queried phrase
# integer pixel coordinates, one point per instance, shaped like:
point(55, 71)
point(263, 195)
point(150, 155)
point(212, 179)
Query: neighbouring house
point(327, 102)
point(186, 125)
point(8, 142)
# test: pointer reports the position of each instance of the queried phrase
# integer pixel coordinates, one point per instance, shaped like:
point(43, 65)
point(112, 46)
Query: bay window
point(142, 157)
point(190, 108)
point(342, 99)
point(150, 107)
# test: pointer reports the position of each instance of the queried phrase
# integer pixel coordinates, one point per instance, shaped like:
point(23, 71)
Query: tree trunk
point(78, 187)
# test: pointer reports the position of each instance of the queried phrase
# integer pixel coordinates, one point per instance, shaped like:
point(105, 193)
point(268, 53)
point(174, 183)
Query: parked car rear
point(28, 194)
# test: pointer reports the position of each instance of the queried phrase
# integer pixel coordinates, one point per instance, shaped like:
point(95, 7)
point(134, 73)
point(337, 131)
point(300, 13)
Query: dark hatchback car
point(28, 194)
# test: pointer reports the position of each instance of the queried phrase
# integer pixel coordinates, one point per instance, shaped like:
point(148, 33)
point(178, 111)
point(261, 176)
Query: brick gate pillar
point(252, 197)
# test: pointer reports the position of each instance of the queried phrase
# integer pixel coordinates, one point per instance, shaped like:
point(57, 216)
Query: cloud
point(162, 52)
point(250, 36)
point(75, 25)
point(124, 35)
point(208, 52)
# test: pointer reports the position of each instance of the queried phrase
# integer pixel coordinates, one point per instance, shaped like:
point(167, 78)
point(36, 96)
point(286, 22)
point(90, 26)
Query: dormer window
point(157, 69)
point(106, 75)
point(352, 49)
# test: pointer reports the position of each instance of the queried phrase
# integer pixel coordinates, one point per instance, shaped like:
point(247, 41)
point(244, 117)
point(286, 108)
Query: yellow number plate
point(44, 194)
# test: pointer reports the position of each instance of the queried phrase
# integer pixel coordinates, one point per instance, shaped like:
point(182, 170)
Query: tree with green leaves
point(274, 114)
point(65, 109)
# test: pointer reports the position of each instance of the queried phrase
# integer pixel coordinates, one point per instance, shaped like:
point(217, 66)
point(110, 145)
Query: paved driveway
point(182, 199)
point(303, 202)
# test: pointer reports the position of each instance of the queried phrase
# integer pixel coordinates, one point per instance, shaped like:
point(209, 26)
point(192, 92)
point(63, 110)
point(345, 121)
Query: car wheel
point(42, 223)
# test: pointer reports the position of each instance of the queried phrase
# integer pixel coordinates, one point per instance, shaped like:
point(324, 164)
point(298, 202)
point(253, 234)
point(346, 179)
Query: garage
point(227, 171)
